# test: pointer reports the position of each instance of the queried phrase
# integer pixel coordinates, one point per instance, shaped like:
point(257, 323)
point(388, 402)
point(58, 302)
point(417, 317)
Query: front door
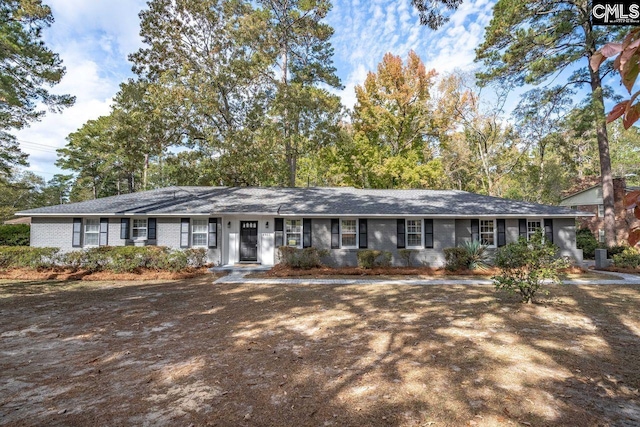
point(248, 240)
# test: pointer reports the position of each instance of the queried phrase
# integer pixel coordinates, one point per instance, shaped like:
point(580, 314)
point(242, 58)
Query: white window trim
point(406, 233)
point(357, 245)
point(495, 231)
point(206, 233)
point(84, 232)
point(146, 227)
point(540, 220)
point(286, 241)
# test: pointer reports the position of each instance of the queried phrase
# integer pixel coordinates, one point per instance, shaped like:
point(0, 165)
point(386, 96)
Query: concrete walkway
point(238, 276)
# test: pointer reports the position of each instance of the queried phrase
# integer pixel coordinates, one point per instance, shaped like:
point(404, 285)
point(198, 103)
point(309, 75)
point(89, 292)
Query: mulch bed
point(283, 271)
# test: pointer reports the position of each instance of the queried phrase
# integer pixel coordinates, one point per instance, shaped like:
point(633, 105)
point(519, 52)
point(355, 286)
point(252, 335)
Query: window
point(414, 233)
point(139, 229)
point(348, 229)
point(92, 232)
point(293, 232)
point(574, 207)
point(601, 235)
point(487, 231)
point(532, 227)
point(600, 211)
point(199, 230)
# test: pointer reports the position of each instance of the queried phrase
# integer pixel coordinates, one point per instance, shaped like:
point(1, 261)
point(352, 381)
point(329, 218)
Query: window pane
point(348, 239)
point(293, 226)
point(139, 228)
point(92, 225)
point(200, 226)
point(414, 239)
point(199, 239)
point(348, 232)
point(293, 239)
point(414, 226)
point(486, 232)
point(91, 239)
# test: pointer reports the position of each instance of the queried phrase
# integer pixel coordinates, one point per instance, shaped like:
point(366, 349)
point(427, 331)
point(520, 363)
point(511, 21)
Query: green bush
point(367, 258)
point(615, 250)
point(302, 258)
point(28, 257)
point(629, 258)
point(526, 265)
point(117, 259)
point(586, 241)
point(456, 259)
point(15, 234)
point(405, 254)
point(384, 260)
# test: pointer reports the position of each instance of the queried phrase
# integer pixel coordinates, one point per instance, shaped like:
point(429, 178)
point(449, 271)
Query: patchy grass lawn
point(190, 352)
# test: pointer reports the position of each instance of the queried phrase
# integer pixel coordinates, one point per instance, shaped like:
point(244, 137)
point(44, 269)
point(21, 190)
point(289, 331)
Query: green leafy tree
point(393, 134)
point(208, 66)
point(531, 42)
point(304, 115)
point(526, 266)
point(27, 67)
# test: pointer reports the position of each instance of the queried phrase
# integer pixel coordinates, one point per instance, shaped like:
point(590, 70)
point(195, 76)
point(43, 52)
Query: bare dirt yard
point(190, 352)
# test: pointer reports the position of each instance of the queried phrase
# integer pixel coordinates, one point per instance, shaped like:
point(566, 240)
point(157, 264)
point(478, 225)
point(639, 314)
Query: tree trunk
point(605, 159)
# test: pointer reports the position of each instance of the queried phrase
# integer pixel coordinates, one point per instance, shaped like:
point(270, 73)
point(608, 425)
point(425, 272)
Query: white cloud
point(93, 38)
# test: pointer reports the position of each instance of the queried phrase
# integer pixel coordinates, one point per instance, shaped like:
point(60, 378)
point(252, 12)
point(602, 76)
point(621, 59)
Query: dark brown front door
point(248, 240)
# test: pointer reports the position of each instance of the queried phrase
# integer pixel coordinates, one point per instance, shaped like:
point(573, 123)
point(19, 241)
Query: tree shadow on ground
point(192, 352)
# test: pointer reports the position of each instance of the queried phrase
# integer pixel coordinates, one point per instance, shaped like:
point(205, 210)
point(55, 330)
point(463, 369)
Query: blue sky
point(94, 38)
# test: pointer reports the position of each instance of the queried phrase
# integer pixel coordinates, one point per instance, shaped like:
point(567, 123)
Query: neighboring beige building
point(23, 220)
point(590, 200)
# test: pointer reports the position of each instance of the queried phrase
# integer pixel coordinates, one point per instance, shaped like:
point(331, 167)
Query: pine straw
point(284, 271)
point(72, 274)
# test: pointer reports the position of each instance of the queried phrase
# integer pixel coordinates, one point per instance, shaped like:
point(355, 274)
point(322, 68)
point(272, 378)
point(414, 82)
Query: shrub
point(15, 235)
point(615, 250)
point(384, 260)
point(628, 258)
point(456, 258)
point(367, 258)
point(302, 258)
point(28, 257)
point(477, 256)
point(196, 257)
point(586, 241)
point(525, 266)
point(405, 254)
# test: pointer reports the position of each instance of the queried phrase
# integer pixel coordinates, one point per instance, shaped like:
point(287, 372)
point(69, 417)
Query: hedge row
point(15, 234)
point(117, 259)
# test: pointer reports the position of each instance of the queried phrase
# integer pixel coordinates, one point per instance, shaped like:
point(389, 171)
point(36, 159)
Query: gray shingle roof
point(304, 201)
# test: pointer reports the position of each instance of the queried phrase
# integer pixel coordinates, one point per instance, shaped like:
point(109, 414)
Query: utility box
point(601, 258)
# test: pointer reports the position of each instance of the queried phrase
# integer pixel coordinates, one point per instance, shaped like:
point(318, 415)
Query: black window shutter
point(428, 233)
point(335, 233)
point(124, 228)
point(306, 233)
point(401, 234)
point(522, 228)
point(76, 240)
point(279, 232)
point(475, 230)
point(502, 232)
point(184, 232)
point(363, 233)
point(104, 231)
point(152, 227)
point(548, 229)
point(213, 232)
